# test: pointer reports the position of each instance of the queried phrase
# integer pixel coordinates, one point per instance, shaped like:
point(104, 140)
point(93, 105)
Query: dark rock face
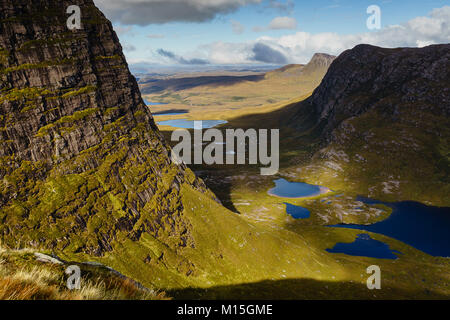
point(42, 56)
point(82, 161)
point(369, 77)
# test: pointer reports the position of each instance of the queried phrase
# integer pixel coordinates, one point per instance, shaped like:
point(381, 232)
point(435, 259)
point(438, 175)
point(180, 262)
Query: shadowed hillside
point(302, 289)
point(382, 118)
point(179, 84)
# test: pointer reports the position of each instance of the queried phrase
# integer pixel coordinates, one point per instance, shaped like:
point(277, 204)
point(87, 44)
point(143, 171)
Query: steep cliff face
point(82, 162)
point(382, 116)
point(368, 77)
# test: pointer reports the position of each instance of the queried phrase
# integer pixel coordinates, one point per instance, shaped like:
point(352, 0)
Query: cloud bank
point(278, 23)
point(283, 23)
point(264, 53)
point(178, 59)
point(299, 47)
point(145, 12)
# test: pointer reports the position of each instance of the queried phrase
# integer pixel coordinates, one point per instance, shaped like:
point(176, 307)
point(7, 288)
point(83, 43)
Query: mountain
point(82, 160)
point(310, 74)
point(382, 116)
point(290, 70)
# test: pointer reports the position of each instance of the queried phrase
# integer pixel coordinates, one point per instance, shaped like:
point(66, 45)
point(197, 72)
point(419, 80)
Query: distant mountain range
point(307, 76)
point(149, 70)
point(237, 89)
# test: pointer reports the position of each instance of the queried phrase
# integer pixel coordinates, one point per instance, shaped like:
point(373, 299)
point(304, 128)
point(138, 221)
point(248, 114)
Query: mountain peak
point(322, 59)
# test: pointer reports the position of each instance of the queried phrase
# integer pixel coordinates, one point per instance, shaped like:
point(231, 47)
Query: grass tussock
point(24, 278)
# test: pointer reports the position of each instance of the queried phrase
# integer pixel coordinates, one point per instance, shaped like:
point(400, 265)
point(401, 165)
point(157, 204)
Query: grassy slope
point(358, 165)
point(22, 277)
point(231, 250)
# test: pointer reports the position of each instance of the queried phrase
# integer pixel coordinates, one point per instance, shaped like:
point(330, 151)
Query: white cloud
point(278, 23)
point(421, 44)
point(299, 47)
point(229, 53)
point(145, 12)
point(283, 23)
point(238, 28)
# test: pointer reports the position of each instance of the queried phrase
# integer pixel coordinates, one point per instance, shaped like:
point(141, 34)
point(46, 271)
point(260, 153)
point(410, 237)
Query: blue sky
point(227, 31)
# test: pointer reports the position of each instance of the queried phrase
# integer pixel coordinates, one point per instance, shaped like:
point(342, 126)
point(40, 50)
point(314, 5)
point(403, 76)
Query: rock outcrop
point(313, 71)
point(82, 161)
point(321, 61)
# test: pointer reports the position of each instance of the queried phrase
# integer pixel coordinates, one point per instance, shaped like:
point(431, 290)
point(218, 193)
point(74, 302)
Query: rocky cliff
point(382, 116)
point(369, 77)
point(82, 161)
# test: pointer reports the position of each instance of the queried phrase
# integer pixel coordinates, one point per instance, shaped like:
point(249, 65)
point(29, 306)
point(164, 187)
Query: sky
point(271, 32)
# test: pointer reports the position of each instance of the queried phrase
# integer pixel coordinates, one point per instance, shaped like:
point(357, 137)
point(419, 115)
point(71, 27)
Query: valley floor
point(319, 274)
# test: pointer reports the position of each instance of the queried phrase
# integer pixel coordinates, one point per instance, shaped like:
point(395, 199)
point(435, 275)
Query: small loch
point(365, 246)
point(297, 212)
point(423, 227)
point(170, 113)
point(286, 189)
